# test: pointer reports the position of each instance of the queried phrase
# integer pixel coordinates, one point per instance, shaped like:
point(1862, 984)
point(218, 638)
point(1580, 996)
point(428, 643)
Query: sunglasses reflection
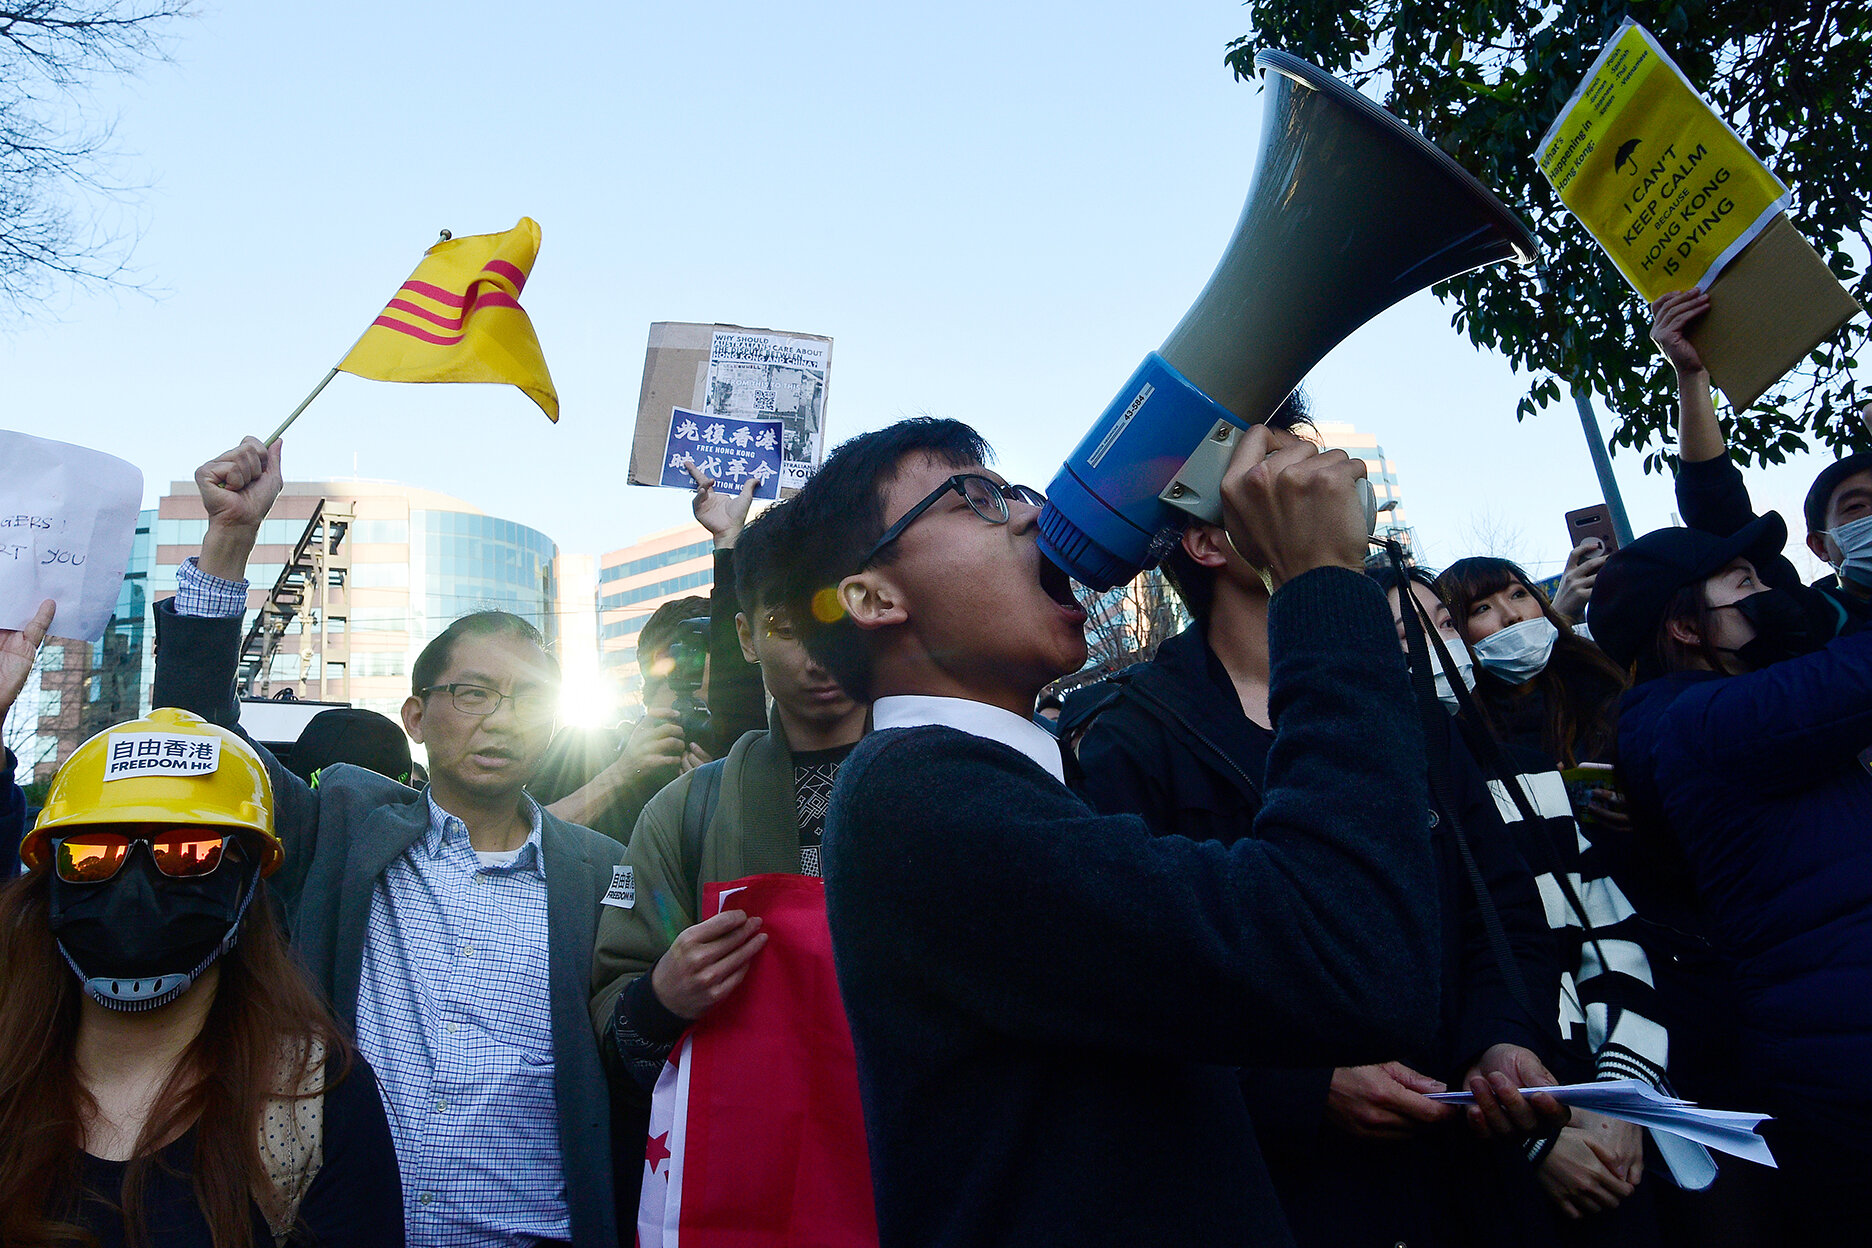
point(180, 853)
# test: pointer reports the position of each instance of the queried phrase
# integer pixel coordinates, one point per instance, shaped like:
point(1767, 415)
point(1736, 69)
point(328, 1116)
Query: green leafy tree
point(1484, 79)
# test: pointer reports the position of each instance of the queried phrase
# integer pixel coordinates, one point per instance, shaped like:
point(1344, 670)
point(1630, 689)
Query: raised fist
point(238, 486)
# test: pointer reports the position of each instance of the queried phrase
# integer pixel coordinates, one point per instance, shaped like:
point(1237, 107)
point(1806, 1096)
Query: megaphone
point(1350, 211)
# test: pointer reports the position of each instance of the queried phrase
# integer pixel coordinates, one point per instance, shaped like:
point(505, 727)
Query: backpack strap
point(1437, 729)
point(698, 809)
point(292, 1136)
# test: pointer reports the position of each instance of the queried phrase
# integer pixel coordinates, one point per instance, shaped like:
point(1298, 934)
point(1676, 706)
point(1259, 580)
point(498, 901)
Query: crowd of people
point(1185, 957)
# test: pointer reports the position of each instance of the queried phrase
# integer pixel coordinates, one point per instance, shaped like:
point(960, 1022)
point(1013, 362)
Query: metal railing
point(313, 589)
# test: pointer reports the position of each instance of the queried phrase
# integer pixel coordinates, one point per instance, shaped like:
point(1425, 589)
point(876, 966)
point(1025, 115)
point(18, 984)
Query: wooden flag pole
point(326, 379)
point(303, 404)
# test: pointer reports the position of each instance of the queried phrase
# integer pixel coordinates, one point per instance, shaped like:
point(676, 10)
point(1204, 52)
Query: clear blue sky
point(994, 209)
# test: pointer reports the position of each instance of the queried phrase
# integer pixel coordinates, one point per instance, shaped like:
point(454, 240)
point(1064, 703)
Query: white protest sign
point(67, 517)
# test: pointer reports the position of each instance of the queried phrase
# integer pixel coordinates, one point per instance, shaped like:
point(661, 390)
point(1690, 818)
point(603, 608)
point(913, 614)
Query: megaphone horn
point(1350, 211)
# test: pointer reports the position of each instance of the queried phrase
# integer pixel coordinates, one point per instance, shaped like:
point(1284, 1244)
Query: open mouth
point(1058, 586)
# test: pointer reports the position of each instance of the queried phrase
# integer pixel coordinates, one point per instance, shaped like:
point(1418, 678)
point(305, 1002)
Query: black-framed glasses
point(985, 496)
point(478, 700)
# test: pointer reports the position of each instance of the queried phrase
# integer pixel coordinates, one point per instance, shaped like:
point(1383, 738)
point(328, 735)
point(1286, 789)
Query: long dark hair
point(1468, 581)
point(1689, 605)
point(252, 1048)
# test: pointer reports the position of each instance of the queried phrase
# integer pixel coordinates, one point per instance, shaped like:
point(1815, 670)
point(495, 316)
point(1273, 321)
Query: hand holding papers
point(1634, 1101)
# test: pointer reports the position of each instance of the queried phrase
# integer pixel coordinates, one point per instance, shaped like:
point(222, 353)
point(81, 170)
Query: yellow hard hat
point(173, 767)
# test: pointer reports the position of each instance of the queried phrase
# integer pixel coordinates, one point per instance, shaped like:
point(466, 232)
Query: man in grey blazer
point(452, 927)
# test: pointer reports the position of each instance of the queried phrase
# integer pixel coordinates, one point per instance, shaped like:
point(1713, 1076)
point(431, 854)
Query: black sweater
point(1176, 749)
point(1045, 1001)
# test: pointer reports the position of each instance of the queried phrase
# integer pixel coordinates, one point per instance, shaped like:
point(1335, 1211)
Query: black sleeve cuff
point(645, 1030)
point(1537, 1147)
point(640, 1009)
point(1707, 472)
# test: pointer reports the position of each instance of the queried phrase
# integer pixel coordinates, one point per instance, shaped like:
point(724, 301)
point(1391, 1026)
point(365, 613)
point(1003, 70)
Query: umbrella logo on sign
point(1623, 156)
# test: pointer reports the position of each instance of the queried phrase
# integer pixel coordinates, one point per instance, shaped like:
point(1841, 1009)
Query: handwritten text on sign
point(68, 515)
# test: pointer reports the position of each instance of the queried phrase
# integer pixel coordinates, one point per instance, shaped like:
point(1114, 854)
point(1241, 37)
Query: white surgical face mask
point(1465, 668)
point(1855, 546)
point(1519, 652)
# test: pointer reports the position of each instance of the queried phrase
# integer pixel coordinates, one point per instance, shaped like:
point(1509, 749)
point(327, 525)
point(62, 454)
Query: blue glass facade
point(656, 589)
point(662, 559)
point(479, 563)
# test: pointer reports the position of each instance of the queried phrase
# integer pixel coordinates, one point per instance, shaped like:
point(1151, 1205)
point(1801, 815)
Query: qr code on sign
point(764, 401)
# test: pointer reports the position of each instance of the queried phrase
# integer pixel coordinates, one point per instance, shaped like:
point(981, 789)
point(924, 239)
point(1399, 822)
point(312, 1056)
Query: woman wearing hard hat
point(167, 1077)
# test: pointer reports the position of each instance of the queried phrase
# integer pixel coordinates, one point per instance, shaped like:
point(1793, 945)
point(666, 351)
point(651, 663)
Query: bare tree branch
point(57, 159)
point(1127, 624)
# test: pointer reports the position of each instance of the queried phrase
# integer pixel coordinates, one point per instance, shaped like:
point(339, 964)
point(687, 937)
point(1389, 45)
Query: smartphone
point(1592, 522)
point(1580, 782)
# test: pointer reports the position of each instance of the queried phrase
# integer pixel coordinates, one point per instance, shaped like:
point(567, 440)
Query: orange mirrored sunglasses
point(180, 853)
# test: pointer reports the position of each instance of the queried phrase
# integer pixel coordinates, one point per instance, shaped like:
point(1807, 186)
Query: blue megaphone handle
point(1104, 522)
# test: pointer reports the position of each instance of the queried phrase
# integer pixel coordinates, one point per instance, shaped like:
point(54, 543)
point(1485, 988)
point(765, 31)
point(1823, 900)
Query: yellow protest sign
point(1661, 181)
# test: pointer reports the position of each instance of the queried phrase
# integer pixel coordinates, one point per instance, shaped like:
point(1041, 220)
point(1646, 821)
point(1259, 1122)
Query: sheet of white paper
point(1689, 1163)
point(1632, 1100)
point(67, 518)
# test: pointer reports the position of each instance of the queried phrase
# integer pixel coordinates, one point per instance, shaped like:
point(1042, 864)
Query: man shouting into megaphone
point(1044, 1000)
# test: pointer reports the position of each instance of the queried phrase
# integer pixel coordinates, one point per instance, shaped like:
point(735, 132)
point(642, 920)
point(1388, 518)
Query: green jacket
point(753, 831)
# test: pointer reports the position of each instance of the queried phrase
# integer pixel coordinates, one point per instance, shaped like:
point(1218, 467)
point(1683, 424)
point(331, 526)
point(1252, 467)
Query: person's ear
point(1206, 544)
point(413, 717)
point(1823, 548)
point(1683, 632)
point(745, 634)
point(872, 601)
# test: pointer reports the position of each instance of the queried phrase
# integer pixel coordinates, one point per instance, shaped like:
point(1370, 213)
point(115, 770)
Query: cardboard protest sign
point(738, 378)
point(67, 518)
point(1677, 201)
point(1773, 304)
point(1662, 182)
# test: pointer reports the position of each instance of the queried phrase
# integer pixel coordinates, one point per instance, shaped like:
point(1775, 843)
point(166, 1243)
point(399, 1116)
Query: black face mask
point(140, 938)
point(1782, 630)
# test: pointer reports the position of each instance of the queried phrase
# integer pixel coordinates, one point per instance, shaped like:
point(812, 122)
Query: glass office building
point(633, 582)
point(417, 561)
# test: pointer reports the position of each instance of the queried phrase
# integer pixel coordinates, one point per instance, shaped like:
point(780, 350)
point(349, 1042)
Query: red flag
point(756, 1132)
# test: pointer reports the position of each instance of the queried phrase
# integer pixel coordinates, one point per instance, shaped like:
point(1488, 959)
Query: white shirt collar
point(978, 719)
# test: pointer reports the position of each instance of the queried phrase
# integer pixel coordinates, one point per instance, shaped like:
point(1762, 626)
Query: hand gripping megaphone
point(1350, 211)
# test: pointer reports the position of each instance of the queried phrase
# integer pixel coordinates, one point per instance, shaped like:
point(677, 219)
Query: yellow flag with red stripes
point(458, 318)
